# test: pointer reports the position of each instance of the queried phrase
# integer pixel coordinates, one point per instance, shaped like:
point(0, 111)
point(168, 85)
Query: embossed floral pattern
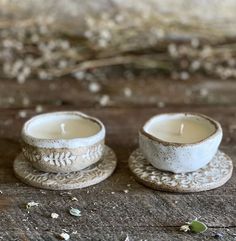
point(93, 153)
point(215, 174)
point(59, 159)
point(31, 155)
point(54, 158)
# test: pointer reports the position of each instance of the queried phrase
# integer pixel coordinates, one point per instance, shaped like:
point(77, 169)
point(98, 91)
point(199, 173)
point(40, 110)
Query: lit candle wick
point(63, 131)
point(181, 129)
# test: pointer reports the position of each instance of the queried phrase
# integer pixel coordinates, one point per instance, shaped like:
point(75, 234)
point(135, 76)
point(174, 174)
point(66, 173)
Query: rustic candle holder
point(215, 174)
point(188, 164)
point(64, 150)
point(92, 175)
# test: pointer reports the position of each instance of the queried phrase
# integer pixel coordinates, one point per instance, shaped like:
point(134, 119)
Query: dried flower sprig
point(75, 212)
point(42, 48)
point(32, 204)
point(54, 215)
point(64, 236)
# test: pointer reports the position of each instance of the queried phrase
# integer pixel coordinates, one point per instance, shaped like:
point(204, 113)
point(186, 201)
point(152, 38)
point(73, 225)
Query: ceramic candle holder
point(72, 150)
point(175, 156)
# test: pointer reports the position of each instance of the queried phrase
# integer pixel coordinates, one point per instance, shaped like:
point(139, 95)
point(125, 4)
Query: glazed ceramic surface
point(62, 155)
point(179, 157)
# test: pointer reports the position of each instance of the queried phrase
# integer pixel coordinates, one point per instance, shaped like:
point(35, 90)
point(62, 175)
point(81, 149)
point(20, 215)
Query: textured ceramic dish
point(215, 174)
point(179, 157)
point(92, 175)
point(62, 155)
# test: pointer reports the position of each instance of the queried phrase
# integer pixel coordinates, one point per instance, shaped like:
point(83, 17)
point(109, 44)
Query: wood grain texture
point(108, 212)
point(147, 91)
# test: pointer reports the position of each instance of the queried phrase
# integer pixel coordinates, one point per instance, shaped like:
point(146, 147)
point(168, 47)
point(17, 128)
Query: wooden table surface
point(109, 213)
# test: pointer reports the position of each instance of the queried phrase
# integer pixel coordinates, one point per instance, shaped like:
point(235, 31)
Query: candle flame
point(181, 129)
point(63, 131)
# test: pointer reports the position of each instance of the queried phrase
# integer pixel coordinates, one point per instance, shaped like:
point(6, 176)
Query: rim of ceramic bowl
point(216, 124)
point(63, 143)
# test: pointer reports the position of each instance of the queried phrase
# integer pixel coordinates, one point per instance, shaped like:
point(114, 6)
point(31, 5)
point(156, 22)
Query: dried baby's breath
point(161, 104)
point(184, 75)
point(204, 92)
point(39, 108)
point(185, 228)
point(94, 87)
point(31, 204)
point(64, 236)
point(127, 238)
point(25, 101)
point(104, 101)
point(22, 114)
point(79, 75)
point(44, 47)
point(11, 100)
point(194, 226)
point(54, 215)
point(127, 92)
point(75, 212)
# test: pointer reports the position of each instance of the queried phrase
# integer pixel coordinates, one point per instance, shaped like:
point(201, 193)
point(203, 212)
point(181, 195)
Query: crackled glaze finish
point(214, 175)
point(180, 157)
point(63, 159)
point(62, 181)
point(62, 155)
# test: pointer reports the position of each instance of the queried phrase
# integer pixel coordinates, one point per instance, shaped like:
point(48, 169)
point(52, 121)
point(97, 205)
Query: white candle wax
point(63, 127)
point(181, 129)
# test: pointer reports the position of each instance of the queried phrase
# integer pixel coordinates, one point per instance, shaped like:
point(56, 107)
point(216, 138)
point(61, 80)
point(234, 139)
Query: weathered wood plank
point(119, 234)
point(101, 207)
point(146, 91)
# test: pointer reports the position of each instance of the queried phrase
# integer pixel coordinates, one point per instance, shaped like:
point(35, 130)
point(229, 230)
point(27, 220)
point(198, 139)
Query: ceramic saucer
point(63, 181)
point(213, 175)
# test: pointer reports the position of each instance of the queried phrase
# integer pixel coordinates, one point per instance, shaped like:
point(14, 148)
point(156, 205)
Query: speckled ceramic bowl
point(62, 155)
point(179, 157)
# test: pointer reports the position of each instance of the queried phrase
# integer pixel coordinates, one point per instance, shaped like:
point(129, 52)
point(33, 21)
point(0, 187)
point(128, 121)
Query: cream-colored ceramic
point(63, 181)
point(179, 157)
point(62, 154)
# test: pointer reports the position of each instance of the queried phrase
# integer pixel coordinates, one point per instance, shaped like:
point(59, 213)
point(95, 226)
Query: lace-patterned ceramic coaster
point(63, 181)
point(214, 175)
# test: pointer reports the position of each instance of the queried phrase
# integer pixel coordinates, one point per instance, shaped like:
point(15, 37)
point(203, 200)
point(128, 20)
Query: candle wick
point(181, 129)
point(63, 131)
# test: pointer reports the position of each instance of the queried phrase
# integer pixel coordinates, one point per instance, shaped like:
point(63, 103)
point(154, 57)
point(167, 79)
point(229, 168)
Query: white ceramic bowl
point(179, 157)
point(62, 155)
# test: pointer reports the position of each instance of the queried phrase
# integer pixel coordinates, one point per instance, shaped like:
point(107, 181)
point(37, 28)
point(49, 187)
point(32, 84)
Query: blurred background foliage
point(54, 38)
